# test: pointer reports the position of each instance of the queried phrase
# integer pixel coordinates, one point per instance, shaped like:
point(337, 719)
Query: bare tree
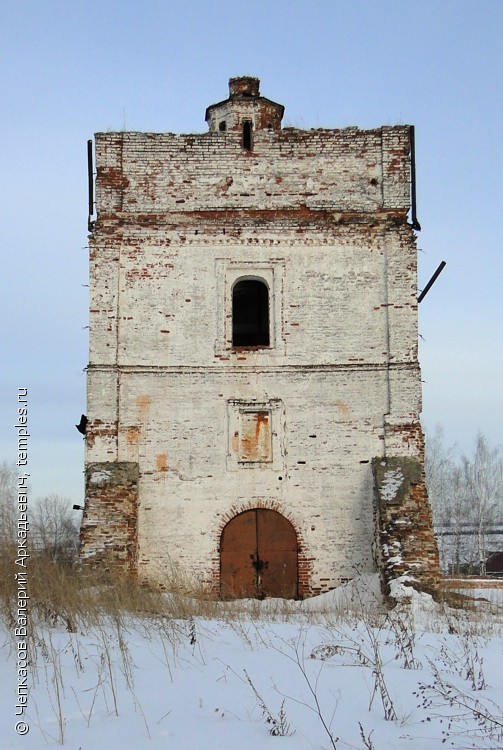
point(483, 477)
point(53, 526)
point(460, 540)
point(8, 497)
point(448, 503)
point(466, 499)
point(54, 530)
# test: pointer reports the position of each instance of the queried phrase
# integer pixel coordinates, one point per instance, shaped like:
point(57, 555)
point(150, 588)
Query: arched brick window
point(250, 313)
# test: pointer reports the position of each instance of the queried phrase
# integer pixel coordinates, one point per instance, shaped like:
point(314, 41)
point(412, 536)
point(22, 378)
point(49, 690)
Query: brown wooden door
point(258, 556)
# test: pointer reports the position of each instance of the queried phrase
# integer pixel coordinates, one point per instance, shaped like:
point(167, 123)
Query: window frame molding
point(270, 272)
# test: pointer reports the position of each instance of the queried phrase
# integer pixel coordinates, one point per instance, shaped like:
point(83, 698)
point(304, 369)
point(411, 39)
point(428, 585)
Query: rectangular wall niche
point(255, 444)
point(255, 434)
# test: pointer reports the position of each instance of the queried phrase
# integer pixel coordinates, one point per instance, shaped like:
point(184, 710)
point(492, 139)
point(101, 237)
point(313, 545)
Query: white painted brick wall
point(177, 216)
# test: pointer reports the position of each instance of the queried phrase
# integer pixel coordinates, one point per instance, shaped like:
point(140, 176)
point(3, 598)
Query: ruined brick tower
point(253, 385)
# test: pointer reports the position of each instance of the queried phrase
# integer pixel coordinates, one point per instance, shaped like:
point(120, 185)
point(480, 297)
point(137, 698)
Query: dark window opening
point(247, 135)
point(222, 126)
point(250, 313)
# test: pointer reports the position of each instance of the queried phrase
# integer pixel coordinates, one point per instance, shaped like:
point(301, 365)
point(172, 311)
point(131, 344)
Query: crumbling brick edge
point(406, 547)
point(109, 530)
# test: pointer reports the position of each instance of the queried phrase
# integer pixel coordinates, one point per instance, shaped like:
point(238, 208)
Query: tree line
point(53, 524)
point(466, 497)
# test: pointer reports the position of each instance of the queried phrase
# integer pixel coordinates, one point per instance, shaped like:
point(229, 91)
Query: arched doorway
point(258, 556)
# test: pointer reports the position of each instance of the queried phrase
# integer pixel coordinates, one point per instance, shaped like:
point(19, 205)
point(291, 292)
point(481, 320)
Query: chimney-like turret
point(244, 86)
point(244, 111)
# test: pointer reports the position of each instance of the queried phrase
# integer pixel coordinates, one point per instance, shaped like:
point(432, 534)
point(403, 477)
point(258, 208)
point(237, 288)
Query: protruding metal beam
point(431, 281)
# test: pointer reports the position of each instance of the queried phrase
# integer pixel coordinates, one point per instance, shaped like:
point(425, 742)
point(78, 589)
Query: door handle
point(259, 564)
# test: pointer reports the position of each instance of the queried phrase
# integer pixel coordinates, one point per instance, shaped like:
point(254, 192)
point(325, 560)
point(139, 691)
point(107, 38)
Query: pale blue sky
point(70, 69)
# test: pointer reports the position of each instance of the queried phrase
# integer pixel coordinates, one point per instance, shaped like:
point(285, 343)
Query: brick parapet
point(350, 169)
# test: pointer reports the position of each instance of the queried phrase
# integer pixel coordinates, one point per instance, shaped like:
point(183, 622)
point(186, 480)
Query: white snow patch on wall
point(391, 484)
point(99, 476)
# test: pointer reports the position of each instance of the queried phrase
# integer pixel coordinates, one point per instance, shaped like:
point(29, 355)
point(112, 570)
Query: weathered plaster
point(321, 216)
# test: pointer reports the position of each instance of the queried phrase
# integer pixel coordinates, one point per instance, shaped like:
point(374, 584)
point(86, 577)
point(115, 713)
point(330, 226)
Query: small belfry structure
point(253, 384)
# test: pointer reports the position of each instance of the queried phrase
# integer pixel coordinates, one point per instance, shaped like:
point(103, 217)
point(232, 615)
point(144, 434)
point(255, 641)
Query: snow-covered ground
point(338, 672)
